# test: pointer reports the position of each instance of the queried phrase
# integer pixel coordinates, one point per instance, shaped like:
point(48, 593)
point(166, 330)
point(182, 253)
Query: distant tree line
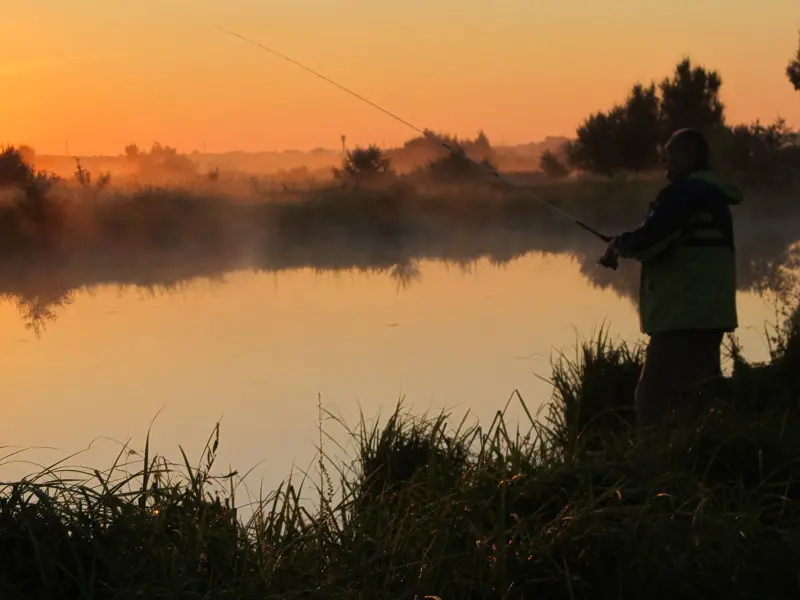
point(162, 160)
point(628, 137)
point(624, 139)
point(365, 166)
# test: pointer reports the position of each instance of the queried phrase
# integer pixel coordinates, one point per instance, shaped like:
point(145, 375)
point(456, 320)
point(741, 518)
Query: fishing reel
point(609, 261)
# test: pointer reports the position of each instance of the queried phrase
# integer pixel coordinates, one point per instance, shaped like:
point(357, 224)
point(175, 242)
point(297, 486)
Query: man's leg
point(652, 398)
point(700, 357)
point(680, 371)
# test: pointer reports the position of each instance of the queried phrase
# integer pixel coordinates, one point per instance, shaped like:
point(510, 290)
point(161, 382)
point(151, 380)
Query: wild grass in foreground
point(570, 506)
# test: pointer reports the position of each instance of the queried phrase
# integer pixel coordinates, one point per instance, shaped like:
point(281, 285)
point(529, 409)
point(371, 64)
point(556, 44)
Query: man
point(687, 294)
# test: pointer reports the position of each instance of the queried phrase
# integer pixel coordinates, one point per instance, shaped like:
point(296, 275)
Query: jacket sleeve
point(672, 211)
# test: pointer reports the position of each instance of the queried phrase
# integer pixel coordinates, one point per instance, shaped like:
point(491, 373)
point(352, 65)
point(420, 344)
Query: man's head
point(686, 151)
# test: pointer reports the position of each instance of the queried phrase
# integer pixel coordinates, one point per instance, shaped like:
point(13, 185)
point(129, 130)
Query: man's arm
point(665, 224)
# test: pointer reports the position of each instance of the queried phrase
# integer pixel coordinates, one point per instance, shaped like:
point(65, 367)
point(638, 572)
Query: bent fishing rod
point(431, 136)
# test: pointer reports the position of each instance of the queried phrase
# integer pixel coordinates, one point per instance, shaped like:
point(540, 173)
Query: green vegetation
point(793, 70)
point(552, 166)
point(420, 185)
point(627, 137)
point(161, 218)
point(364, 166)
point(58, 236)
point(570, 505)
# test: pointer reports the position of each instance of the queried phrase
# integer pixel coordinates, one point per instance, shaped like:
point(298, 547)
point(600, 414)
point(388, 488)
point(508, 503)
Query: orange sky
point(102, 74)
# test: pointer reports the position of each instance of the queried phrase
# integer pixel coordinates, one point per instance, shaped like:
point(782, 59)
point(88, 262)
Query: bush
point(456, 168)
point(759, 155)
point(14, 171)
point(364, 166)
point(552, 166)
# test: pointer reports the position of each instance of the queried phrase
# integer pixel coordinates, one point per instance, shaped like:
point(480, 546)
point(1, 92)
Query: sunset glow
point(103, 74)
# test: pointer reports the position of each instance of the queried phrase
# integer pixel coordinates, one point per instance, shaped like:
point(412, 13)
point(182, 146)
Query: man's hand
point(610, 258)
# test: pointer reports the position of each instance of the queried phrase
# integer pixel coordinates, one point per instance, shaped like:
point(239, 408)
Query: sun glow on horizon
point(102, 76)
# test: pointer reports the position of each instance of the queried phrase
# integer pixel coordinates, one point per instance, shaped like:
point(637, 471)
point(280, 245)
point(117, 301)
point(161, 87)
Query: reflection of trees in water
point(406, 273)
point(36, 310)
point(768, 260)
point(39, 308)
point(785, 278)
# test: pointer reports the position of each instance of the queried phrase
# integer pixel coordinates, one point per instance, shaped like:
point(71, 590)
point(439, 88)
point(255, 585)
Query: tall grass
point(565, 506)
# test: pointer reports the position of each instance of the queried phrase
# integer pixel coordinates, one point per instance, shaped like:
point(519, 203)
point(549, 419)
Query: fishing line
point(426, 133)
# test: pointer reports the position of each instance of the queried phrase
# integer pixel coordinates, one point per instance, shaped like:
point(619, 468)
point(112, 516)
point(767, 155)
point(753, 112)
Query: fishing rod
point(433, 137)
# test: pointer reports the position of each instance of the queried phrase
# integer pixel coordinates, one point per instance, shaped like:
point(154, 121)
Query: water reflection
point(258, 349)
point(36, 310)
point(768, 257)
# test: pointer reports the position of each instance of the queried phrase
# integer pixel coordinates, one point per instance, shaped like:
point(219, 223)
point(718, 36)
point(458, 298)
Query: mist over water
point(257, 335)
point(194, 298)
point(158, 301)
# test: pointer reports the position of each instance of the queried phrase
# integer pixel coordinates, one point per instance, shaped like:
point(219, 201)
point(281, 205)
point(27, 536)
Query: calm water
point(257, 349)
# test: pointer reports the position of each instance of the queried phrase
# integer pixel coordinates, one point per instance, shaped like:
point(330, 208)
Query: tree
point(427, 148)
point(162, 162)
point(763, 154)
point(81, 175)
point(458, 167)
point(34, 203)
point(793, 70)
point(480, 148)
point(595, 149)
point(552, 166)
point(691, 99)
point(466, 161)
point(637, 136)
point(131, 152)
point(13, 168)
point(623, 139)
point(84, 178)
point(364, 165)
point(626, 138)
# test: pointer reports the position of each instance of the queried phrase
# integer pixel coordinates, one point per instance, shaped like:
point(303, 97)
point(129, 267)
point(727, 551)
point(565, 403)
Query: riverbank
point(67, 237)
point(568, 505)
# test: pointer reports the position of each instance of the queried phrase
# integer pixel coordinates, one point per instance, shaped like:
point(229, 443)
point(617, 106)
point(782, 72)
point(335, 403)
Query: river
point(259, 351)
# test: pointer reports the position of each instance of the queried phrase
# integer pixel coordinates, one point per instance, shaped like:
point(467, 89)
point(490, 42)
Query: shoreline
point(433, 507)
